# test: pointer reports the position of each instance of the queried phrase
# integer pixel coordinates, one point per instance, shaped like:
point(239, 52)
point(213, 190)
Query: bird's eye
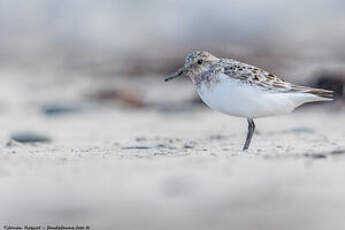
point(199, 62)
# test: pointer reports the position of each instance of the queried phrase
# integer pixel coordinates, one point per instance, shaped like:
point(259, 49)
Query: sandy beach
point(113, 167)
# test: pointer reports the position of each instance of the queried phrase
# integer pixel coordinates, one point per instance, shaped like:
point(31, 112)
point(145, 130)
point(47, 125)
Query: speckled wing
point(254, 76)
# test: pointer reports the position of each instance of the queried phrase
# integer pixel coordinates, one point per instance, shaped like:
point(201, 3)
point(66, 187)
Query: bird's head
point(195, 63)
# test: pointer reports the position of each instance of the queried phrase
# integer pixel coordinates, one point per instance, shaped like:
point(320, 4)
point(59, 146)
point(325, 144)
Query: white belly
point(232, 97)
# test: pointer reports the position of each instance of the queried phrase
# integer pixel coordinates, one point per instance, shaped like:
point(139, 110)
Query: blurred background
point(112, 43)
point(116, 42)
point(301, 41)
point(296, 39)
point(82, 81)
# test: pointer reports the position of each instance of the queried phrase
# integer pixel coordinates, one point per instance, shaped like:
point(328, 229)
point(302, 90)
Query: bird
point(238, 89)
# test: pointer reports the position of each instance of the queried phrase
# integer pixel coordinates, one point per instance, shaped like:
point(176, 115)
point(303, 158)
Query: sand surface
point(118, 168)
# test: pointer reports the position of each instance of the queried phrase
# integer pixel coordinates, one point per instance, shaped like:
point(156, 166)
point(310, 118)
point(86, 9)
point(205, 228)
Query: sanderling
point(243, 90)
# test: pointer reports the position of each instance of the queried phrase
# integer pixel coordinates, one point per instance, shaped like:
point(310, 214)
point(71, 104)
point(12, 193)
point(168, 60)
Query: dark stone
point(336, 152)
point(186, 146)
point(164, 146)
point(29, 137)
point(148, 147)
point(60, 109)
point(315, 155)
point(140, 139)
point(136, 147)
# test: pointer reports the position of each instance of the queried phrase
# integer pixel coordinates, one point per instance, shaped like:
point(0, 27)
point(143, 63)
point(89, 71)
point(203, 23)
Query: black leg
point(251, 128)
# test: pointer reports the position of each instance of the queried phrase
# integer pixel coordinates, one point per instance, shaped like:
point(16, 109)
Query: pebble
point(29, 137)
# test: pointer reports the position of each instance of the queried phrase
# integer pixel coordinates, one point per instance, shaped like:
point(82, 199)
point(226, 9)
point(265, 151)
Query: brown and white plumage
point(257, 77)
point(243, 90)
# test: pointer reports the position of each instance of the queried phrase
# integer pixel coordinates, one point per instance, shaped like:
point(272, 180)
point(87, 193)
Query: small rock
point(186, 146)
point(139, 139)
point(302, 130)
point(164, 146)
point(315, 155)
point(336, 152)
point(136, 147)
point(29, 137)
point(56, 109)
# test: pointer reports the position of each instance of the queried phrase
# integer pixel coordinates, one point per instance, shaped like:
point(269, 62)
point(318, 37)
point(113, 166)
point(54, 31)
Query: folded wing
point(257, 77)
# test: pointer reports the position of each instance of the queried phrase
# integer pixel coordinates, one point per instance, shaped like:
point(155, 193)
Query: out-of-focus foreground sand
point(118, 168)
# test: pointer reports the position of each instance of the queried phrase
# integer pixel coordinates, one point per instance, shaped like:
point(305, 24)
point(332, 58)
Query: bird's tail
point(325, 95)
point(321, 94)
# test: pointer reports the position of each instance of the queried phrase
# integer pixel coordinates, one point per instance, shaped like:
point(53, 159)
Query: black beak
point(175, 75)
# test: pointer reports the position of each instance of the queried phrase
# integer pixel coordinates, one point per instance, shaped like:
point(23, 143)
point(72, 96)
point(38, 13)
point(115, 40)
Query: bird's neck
point(198, 75)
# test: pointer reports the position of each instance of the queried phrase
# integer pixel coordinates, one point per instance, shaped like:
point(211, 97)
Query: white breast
point(232, 97)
